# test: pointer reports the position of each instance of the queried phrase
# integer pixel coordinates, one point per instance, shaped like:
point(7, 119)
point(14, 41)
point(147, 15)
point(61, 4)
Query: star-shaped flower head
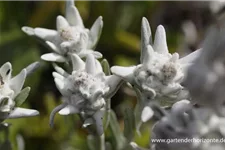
point(178, 123)
point(160, 73)
point(11, 95)
point(70, 36)
point(85, 91)
point(184, 121)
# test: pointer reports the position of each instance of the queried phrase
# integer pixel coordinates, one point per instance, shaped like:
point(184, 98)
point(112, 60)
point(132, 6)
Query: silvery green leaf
point(106, 67)
point(107, 114)
point(116, 132)
point(95, 32)
point(22, 96)
point(32, 67)
point(129, 124)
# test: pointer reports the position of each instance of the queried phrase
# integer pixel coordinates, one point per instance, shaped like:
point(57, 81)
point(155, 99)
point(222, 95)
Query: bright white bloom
point(85, 91)
point(11, 94)
point(160, 73)
point(70, 37)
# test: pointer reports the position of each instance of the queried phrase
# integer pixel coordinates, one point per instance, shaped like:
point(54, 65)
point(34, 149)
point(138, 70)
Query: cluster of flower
point(11, 93)
point(86, 88)
point(161, 77)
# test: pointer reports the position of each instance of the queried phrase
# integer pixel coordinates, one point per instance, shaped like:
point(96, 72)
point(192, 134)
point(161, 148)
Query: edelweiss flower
point(160, 73)
point(11, 95)
point(185, 122)
point(179, 123)
point(70, 37)
point(85, 90)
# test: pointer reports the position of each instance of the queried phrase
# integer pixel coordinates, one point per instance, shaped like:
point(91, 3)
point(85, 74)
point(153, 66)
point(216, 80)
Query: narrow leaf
point(106, 67)
point(116, 132)
point(129, 124)
point(22, 96)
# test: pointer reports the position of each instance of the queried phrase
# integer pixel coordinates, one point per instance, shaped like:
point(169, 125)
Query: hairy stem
point(102, 142)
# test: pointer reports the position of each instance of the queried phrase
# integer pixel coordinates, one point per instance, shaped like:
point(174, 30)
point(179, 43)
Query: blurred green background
point(185, 24)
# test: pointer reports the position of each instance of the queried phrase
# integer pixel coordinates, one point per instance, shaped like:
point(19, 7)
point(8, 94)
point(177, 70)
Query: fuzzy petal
point(175, 57)
point(124, 72)
point(5, 71)
point(61, 23)
point(28, 30)
point(95, 32)
point(53, 113)
point(53, 47)
point(60, 70)
point(68, 110)
point(23, 112)
point(69, 3)
point(77, 62)
point(73, 17)
point(90, 65)
point(61, 87)
point(58, 76)
point(146, 37)
point(32, 67)
point(53, 57)
point(84, 53)
point(114, 83)
point(148, 55)
point(146, 114)
point(160, 43)
point(45, 34)
point(98, 66)
point(16, 83)
point(190, 57)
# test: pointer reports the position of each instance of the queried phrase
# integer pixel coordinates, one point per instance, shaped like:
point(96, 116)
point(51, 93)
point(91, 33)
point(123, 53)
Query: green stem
point(102, 142)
